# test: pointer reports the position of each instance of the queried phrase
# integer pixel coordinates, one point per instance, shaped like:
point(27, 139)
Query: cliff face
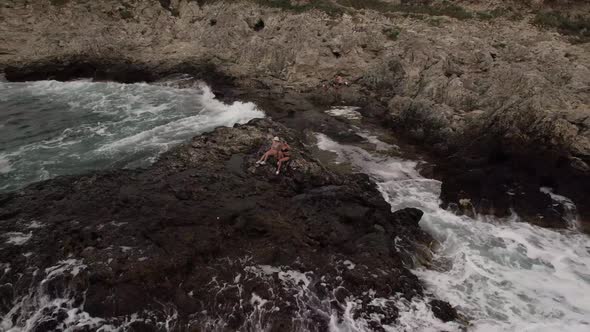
point(482, 78)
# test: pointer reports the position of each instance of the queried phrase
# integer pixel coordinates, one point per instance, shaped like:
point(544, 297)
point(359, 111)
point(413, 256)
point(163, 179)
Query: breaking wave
point(55, 128)
point(502, 274)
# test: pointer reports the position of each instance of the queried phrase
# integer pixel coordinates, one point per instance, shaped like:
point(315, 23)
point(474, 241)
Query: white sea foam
point(286, 276)
point(95, 125)
point(347, 112)
point(72, 266)
point(17, 238)
point(379, 145)
point(257, 301)
point(5, 166)
point(556, 197)
point(125, 248)
point(41, 303)
point(349, 265)
point(566, 203)
point(35, 224)
point(34, 307)
point(5, 268)
point(505, 275)
point(413, 316)
point(213, 114)
point(416, 315)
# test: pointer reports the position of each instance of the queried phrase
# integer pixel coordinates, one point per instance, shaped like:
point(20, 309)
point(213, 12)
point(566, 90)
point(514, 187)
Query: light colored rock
point(529, 86)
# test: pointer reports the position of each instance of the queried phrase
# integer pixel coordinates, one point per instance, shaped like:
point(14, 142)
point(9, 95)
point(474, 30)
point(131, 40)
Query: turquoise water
point(51, 128)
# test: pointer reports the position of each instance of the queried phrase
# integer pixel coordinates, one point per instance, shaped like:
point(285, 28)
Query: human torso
point(276, 146)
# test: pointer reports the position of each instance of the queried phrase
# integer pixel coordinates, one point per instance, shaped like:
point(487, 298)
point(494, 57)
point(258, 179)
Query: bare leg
point(280, 163)
point(266, 155)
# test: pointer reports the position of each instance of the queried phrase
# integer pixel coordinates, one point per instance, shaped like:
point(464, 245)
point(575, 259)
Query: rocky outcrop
point(204, 239)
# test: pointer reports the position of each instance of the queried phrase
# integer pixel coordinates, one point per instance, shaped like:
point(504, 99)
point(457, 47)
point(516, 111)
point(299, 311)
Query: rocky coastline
point(207, 234)
point(499, 107)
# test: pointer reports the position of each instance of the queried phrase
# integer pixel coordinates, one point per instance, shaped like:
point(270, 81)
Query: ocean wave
point(82, 125)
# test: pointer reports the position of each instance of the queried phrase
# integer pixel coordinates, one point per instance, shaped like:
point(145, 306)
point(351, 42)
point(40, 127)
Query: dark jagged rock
point(205, 234)
point(443, 311)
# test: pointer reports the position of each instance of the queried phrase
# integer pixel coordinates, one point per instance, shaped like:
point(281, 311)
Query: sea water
point(51, 128)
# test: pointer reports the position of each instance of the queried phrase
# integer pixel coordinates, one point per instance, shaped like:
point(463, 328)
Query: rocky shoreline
point(205, 234)
point(204, 240)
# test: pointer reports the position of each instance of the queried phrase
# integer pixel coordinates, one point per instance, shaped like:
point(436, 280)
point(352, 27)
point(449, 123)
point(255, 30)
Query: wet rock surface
point(443, 310)
point(204, 239)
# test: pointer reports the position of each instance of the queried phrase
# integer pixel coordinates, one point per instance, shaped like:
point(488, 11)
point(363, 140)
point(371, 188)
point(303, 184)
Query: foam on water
point(73, 266)
point(505, 275)
point(5, 165)
point(32, 309)
point(566, 203)
point(213, 114)
point(45, 302)
point(5, 268)
point(286, 287)
point(35, 224)
point(348, 112)
point(55, 128)
point(414, 316)
point(17, 238)
point(286, 276)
